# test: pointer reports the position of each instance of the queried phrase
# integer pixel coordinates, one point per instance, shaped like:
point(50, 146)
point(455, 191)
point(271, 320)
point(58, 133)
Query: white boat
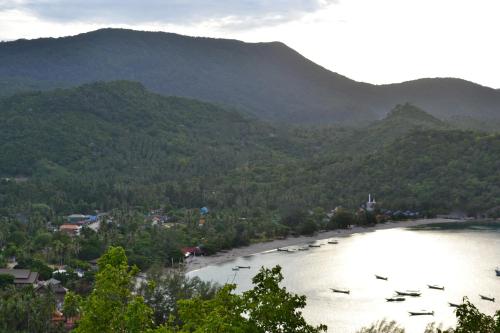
point(421, 313)
point(413, 293)
point(487, 298)
point(341, 291)
point(433, 286)
point(395, 299)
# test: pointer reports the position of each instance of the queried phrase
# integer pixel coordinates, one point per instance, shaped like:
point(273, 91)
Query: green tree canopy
point(266, 308)
point(112, 307)
point(470, 319)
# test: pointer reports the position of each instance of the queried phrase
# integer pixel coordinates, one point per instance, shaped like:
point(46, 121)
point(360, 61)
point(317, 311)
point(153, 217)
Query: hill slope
point(108, 145)
point(118, 138)
point(402, 120)
point(269, 80)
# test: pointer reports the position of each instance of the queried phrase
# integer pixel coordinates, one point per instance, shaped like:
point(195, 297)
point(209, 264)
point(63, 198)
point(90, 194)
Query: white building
point(370, 205)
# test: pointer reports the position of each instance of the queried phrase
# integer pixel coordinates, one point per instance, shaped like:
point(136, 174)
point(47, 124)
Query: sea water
point(461, 257)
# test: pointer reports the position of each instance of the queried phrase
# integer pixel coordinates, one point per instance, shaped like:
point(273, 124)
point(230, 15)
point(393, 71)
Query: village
point(75, 224)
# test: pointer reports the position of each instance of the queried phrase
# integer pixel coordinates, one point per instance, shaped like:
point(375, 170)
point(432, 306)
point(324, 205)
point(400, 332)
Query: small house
point(55, 286)
point(70, 229)
point(192, 251)
point(22, 277)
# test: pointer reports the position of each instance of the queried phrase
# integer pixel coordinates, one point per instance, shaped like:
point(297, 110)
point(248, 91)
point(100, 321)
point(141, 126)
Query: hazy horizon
point(381, 42)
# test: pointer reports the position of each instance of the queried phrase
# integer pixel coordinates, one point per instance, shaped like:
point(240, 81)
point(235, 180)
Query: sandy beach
point(195, 263)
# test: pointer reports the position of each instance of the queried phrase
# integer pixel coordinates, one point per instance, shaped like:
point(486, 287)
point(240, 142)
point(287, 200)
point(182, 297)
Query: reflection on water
point(461, 258)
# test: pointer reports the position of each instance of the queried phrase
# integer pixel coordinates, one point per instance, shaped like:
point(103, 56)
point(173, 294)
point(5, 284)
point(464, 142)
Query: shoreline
point(196, 263)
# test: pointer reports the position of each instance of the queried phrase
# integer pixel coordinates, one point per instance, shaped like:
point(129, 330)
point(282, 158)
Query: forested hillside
point(430, 170)
point(109, 145)
point(269, 80)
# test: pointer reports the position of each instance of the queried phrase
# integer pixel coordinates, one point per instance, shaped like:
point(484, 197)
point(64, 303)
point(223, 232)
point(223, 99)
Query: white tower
point(370, 205)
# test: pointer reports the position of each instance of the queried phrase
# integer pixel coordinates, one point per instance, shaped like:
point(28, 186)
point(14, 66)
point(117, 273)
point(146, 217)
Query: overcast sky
point(376, 41)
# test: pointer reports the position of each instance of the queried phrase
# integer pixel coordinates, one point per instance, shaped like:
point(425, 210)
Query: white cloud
point(246, 12)
point(389, 41)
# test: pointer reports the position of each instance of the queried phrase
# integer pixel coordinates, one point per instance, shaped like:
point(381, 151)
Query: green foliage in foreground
point(383, 326)
point(24, 310)
point(112, 307)
point(265, 308)
point(163, 291)
point(470, 319)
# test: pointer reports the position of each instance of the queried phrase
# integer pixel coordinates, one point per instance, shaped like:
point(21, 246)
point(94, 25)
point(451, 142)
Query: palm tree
point(59, 247)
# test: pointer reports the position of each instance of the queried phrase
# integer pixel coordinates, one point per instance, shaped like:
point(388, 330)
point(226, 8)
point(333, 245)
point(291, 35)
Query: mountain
point(269, 80)
point(446, 98)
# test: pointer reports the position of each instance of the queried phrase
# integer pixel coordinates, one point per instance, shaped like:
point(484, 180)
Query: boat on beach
point(341, 291)
point(421, 313)
point(380, 277)
point(412, 293)
point(487, 298)
point(454, 305)
point(279, 249)
point(433, 286)
point(395, 299)
point(333, 242)
point(304, 248)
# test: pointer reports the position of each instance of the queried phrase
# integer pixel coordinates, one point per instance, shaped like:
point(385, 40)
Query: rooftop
point(69, 227)
point(21, 276)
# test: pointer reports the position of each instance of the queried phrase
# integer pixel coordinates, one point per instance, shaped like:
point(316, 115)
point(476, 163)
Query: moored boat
point(380, 277)
point(487, 298)
point(236, 268)
point(279, 249)
point(314, 245)
point(497, 271)
point(413, 293)
point(247, 267)
point(304, 248)
point(342, 291)
point(421, 313)
point(333, 242)
point(433, 286)
point(395, 299)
